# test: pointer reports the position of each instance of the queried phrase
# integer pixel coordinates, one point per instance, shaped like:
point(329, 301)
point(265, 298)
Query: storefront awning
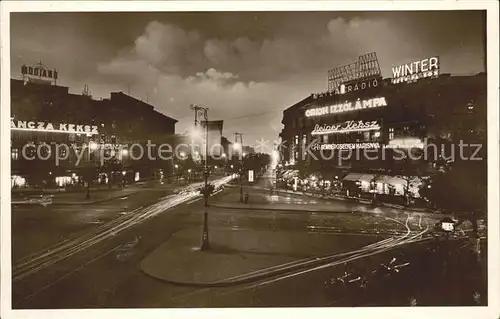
point(359, 177)
point(393, 180)
point(290, 173)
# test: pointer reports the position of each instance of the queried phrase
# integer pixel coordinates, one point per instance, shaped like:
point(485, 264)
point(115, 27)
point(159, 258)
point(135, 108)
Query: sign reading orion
point(346, 107)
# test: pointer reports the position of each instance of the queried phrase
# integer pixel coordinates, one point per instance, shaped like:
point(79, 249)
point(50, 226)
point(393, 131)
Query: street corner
point(232, 257)
point(240, 256)
point(253, 199)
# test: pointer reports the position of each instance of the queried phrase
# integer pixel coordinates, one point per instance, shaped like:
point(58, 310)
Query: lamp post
point(202, 111)
point(238, 144)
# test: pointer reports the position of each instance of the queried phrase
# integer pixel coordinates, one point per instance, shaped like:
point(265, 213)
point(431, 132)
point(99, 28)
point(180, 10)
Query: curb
point(311, 262)
point(351, 199)
point(283, 209)
point(93, 202)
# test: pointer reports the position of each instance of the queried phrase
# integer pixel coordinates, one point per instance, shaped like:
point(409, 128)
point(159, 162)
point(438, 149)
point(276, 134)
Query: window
point(391, 133)
point(63, 152)
point(470, 107)
point(15, 154)
point(325, 139)
point(304, 140)
point(296, 140)
point(366, 136)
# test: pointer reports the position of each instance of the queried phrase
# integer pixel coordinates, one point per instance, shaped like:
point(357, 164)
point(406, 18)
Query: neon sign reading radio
point(49, 127)
point(348, 126)
point(346, 107)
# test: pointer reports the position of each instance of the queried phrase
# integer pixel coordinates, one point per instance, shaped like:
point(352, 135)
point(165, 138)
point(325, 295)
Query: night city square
point(249, 159)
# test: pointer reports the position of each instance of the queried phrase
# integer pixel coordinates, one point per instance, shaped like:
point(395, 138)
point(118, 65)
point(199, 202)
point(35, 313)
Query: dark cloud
point(237, 64)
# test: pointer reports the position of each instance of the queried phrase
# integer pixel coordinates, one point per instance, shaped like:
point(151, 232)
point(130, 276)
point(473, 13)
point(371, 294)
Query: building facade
point(371, 127)
point(60, 139)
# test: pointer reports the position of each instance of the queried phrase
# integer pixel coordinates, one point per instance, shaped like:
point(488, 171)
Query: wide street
point(126, 252)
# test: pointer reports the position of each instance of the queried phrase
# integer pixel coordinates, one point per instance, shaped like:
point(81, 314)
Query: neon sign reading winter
point(411, 72)
point(49, 127)
point(346, 107)
point(346, 127)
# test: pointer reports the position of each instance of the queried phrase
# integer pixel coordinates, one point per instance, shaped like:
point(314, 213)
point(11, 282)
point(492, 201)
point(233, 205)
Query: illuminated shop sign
point(411, 72)
point(345, 146)
point(346, 107)
point(357, 86)
point(49, 127)
point(349, 87)
point(348, 126)
point(38, 70)
point(405, 143)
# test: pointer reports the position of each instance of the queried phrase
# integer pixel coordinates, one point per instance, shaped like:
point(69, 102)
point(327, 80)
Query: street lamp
point(202, 111)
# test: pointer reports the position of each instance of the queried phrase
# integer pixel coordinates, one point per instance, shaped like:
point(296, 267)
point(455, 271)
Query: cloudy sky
point(246, 67)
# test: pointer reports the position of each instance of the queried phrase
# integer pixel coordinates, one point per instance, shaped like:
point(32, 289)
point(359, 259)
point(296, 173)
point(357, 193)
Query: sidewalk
point(97, 195)
point(272, 202)
point(239, 256)
point(345, 198)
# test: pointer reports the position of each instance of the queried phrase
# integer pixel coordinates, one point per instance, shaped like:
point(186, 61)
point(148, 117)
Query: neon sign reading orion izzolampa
point(346, 127)
point(346, 107)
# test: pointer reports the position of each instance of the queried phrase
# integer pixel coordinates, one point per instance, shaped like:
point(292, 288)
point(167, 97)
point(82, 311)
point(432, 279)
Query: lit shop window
point(15, 154)
point(325, 138)
point(366, 136)
point(470, 107)
point(391, 133)
point(17, 181)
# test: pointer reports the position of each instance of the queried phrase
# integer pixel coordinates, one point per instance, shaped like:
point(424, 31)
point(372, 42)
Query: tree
point(89, 173)
point(461, 189)
point(303, 168)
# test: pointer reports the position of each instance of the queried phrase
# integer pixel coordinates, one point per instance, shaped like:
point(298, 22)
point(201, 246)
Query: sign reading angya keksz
point(411, 72)
point(49, 127)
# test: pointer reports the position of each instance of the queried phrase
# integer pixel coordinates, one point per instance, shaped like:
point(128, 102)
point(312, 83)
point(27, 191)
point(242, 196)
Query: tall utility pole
point(238, 138)
point(198, 112)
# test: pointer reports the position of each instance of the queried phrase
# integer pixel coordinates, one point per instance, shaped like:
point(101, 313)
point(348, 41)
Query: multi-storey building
point(370, 126)
point(57, 137)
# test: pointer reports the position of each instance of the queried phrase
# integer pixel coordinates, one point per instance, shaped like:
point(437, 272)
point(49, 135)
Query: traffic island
point(238, 256)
